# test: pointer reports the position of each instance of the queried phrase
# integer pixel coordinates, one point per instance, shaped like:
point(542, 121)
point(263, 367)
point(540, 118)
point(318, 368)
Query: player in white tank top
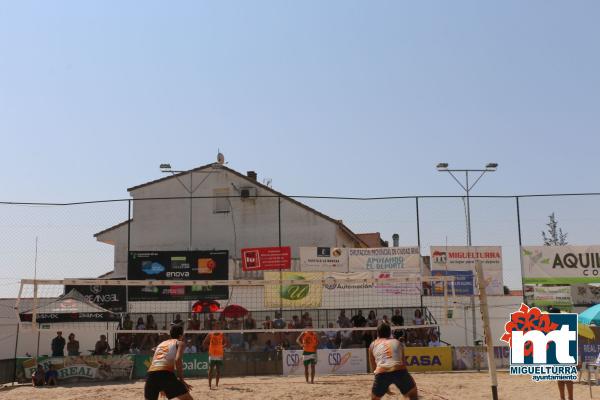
point(168, 359)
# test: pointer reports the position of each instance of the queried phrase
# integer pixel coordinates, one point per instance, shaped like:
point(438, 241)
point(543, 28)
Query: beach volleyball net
point(256, 314)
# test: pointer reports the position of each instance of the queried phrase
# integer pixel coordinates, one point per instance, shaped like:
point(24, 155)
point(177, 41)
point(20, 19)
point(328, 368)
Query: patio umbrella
point(590, 316)
point(206, 306)
point(234, 311)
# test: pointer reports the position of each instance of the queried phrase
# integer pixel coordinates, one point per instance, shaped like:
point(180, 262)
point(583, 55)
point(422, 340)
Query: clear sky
point(345, 98)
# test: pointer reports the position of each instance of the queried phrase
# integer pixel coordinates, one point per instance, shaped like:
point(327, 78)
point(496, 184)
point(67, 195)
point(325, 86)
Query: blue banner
point(463, 283)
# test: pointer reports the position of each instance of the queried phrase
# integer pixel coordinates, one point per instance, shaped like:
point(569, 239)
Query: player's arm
point(225, 341)
point(372, 361)
point(299, 339)
point(179, 363)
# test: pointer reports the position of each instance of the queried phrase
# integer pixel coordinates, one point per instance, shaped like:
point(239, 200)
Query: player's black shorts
point(401, 379)
point(163, 381)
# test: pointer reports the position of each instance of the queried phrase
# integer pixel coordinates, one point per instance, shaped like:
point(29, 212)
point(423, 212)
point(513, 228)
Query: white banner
point(557, 296)
point(329, 362)
point(463, 258)
point(403, 260)
point(323, 259)
point(560, 264)
point(340, 294)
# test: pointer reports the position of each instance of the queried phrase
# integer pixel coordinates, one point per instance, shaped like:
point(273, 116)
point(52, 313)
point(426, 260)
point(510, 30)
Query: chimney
point(396, 239)
point(252, 175)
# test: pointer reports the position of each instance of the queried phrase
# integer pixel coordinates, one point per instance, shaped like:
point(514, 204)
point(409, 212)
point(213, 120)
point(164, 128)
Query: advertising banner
point(329, 362)
point(323, 259)
point(585, 294)
point(463, 258)
point(560, 264)
point(464, 357)
point(178, 265)
point(557, 296)
point(293, 296)
point(589, 345)
point(110, 297)
point(266, 258)
point(428, 358)
point(402, 260)
point(463, 283)
point(194, 365)
point(75, 368)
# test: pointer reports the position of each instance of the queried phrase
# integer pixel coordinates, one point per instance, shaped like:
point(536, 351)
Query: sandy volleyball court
point(434, 386)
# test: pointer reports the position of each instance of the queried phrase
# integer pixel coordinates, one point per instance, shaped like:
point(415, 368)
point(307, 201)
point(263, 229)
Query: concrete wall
point(165, 224)
point(458, 331)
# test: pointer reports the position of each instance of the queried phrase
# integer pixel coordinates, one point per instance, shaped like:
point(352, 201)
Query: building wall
point(164, 224)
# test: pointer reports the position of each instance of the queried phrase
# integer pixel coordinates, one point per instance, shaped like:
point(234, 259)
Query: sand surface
point(433, 386)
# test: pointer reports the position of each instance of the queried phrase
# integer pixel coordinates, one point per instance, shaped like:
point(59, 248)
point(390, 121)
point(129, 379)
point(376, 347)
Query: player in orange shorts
point(309, 341)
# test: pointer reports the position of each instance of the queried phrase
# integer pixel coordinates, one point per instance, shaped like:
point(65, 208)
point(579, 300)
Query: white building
point(249, 214)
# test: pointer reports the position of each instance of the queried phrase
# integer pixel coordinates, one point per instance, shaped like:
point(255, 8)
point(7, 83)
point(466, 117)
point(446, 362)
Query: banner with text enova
point(560, 264)
point(463, 258)
point(329, 362)
point(178, 265)
point(323, 259)
point(400, 260)
point(297, 295)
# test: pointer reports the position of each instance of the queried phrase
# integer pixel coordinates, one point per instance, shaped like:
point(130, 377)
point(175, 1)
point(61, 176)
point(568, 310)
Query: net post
point(486, 330)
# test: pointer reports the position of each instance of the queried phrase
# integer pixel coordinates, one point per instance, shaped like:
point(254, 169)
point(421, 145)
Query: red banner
point(266, 258)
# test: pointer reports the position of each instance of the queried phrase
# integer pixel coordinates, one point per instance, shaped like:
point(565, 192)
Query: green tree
point(554, 236)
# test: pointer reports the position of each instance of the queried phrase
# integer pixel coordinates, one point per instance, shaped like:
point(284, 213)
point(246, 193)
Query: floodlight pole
point(467, 187)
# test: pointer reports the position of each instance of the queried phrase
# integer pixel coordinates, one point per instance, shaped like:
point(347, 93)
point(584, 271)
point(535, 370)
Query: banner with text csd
point(428, 358)
point(404, 260)
point(560, 264)
point(329, 362)
point(295, 295)
point(463, 258)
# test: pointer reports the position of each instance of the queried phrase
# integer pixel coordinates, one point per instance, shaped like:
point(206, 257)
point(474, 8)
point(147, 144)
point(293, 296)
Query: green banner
point(194, 365)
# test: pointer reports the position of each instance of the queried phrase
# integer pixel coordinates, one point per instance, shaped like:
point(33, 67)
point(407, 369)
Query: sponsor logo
point(294, 292)
point(338, 360)
point(178, 274)
point(206, 265)
point(323, 251)
point(96, 289)
point(331, 283)
point(152, 268)
point(292, 360)
point(439, 257)
point(422, 360)
point(179, 262)
point(335, 358)
point(542, 345)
